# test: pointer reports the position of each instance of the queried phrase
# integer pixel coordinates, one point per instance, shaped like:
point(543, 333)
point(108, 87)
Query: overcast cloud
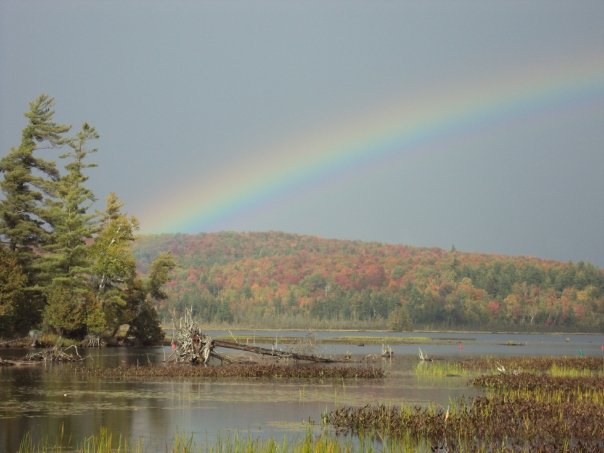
point(187, 92)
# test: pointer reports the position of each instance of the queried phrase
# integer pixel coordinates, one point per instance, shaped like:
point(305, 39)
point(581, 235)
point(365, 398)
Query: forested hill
point(286, 280)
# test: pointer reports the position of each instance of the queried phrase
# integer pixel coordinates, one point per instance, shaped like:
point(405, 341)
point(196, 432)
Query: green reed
point(563, 371)
point(441, 369)
point(107, 442)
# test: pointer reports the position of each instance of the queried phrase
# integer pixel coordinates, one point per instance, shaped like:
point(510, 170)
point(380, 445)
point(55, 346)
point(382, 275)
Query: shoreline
point(395, 337)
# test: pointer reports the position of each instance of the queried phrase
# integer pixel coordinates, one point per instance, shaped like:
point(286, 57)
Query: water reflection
point(45, 400)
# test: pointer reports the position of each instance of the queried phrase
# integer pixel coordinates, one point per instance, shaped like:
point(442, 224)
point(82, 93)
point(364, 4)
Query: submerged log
point(8, 362)
point(273, 352)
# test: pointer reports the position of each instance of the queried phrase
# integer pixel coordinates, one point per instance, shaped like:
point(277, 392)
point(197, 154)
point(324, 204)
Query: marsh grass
point(562, 371)
point(520, 411)
point(266, 371)
point(441, 369)
point(103, 442)
point(106, 442)
point(534, 364)
point(491, 423)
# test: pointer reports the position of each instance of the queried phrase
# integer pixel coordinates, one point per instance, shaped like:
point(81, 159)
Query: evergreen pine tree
point(27, 181)
point(67, 260)
point(12, 281)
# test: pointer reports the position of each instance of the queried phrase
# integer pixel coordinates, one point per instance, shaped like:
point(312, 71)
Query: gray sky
point(305, 116)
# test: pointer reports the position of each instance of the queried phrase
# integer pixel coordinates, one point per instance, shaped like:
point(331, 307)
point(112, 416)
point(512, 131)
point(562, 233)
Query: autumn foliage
point(286, 280)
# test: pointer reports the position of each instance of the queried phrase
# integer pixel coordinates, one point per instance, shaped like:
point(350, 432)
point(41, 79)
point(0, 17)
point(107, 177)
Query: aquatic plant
point(252, 370)
point(540, 382)
point(522, 412)
point(565, 371)
point(107, 442)
point(440, 369)
point(533, 364)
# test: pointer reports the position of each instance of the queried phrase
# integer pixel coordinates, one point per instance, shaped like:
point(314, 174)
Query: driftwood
point(273, 352)
point(424, 357)
point(54, 354)
point(190, 345)
point(6, 362)
point(92, 341)
point(387, 351)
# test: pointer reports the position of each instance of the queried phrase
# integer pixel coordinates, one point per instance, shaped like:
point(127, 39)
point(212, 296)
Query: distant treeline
point(285, 280)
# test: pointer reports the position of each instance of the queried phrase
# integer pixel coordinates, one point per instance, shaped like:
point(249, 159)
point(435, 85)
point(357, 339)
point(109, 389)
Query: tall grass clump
point(562, 371)
point(440, 369)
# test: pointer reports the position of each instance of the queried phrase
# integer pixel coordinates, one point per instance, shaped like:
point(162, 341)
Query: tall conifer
point(12, 281)
point(27, 181)
point(67, 261)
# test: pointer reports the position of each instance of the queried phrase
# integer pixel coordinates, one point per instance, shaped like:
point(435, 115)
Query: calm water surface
point(43, 400)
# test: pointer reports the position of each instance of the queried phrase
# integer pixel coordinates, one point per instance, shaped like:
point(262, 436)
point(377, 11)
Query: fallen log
point(6, 362)
point(190, 345)
point(54, 354)
point(273, 352)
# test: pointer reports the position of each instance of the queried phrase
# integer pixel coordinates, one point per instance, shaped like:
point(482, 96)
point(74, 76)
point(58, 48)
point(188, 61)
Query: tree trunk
point(272, 352)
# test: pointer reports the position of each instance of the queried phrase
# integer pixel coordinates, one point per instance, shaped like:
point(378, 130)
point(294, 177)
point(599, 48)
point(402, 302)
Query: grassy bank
point(530, 404)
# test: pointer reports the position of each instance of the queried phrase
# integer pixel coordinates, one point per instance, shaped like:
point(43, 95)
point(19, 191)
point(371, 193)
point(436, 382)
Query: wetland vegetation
point(251, 370)
point(511, 404)
point(106, 442)
point(530, 404)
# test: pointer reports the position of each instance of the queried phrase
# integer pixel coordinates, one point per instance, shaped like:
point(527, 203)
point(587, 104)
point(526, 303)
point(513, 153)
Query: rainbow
point(400, 127)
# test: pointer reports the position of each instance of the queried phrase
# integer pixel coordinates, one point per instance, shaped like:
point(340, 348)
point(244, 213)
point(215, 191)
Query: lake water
point(45, 400)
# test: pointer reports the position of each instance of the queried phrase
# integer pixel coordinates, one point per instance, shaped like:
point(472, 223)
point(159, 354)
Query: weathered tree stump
point(191, 346)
